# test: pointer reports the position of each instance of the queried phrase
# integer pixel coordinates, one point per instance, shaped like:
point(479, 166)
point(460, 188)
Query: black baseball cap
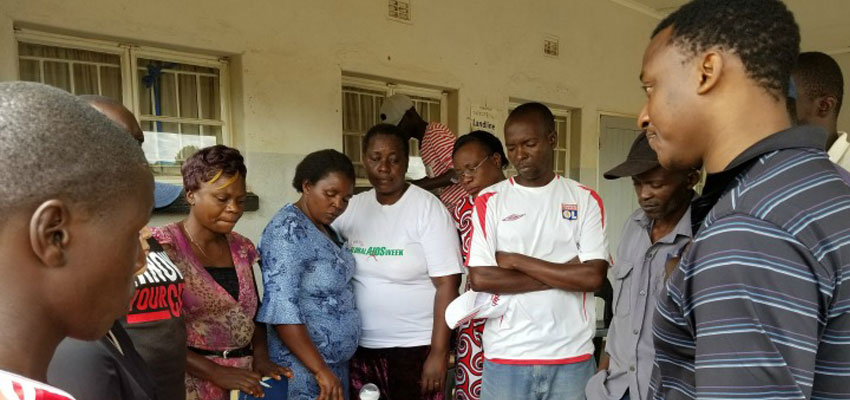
point(641, 158)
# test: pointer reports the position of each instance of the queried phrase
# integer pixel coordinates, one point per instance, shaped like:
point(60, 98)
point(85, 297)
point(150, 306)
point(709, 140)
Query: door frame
point(601, 114)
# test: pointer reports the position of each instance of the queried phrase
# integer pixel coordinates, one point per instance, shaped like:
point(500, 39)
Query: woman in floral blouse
point(226, 352)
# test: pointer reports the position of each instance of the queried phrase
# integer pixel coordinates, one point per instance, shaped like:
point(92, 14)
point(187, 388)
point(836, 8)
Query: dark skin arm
point(227, 378)
point(297, 340)
point(436, 182)
point(236, 378)
point(262, 363)
point(574, 275)
point(604, 360)
point(500, 280)
point(434, 370)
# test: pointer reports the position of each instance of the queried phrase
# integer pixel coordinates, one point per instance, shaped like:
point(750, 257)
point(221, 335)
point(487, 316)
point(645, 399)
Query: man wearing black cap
point(658, 229)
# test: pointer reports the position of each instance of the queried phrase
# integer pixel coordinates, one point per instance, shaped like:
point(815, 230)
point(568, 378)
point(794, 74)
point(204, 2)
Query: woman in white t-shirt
point(408, 271)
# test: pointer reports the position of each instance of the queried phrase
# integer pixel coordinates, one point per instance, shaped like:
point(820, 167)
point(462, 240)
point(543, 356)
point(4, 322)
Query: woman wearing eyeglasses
point(479, 161)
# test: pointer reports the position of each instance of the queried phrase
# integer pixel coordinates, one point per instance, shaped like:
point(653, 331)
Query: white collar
point(837, 150)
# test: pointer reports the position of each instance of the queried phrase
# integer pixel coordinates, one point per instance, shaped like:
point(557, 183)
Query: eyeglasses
point(470, 172)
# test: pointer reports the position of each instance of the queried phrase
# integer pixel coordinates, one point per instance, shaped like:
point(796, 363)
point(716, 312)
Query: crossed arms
point(517, 273)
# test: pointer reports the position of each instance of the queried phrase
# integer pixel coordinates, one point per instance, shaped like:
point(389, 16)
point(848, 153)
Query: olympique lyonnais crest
point(569, 211)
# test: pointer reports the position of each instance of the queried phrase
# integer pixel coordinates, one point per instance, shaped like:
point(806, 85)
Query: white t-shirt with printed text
point(554, 223)
point(398, 249)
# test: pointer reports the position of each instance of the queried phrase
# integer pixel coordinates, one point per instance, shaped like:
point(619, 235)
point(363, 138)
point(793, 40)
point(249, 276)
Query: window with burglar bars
point(361, 104)
point(179, 99)
point(561, 150)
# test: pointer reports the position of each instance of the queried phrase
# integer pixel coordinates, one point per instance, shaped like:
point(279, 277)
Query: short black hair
point(490, 142)
point(817, 74)
point(537, 110)
point(54, 145)
point(319, 164)
point(389, 130)
point(762, 33)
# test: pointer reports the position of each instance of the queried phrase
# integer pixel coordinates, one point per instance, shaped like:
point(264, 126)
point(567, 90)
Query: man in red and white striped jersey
point(436, 142)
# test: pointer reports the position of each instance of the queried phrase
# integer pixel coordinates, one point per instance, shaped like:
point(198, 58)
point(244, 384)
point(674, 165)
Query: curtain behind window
point(77, 71)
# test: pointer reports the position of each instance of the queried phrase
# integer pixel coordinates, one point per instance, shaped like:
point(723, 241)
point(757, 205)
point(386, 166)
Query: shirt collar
point(836, 152)
point(718, 183)
point(806, 136)
point(683, 227)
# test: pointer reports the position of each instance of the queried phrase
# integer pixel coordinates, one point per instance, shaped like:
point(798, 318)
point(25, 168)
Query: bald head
point(119, 114)
point(55, 146)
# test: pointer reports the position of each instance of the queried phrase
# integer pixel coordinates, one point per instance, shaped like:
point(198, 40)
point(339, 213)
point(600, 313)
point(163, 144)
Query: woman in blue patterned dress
point(308, 302)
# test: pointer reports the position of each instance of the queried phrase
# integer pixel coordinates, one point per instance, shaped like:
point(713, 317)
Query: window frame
point(389, 88)
point(130, 89)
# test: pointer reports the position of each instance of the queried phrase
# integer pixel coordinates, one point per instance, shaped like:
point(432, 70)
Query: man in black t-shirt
point(155, 323)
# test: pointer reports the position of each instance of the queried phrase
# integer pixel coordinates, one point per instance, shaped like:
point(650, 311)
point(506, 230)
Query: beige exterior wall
point(843, 60)
point(288, 58)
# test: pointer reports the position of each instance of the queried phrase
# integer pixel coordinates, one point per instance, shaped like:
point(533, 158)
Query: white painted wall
point(288, 57)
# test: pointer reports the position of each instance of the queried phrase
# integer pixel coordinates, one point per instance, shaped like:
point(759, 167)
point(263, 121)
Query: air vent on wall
point(551, 46)
point(399, 10)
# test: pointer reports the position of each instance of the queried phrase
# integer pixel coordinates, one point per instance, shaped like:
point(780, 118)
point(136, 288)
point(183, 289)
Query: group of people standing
point(740, 292)
point(357, 286)
point(353, 293)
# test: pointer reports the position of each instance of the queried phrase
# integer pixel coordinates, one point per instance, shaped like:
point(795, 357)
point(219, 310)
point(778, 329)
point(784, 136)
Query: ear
point(552, 138)
point(826, 105)
point(693, 178)
point(50, 232)
point(190, 197)
point(496, 159)
point(306, 187)
point(710, 70)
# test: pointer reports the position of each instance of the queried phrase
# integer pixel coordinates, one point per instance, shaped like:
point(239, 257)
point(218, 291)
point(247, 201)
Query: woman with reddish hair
point(226, 351)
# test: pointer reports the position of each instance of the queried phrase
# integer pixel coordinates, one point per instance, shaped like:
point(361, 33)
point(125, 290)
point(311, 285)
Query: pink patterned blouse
point(214, 319)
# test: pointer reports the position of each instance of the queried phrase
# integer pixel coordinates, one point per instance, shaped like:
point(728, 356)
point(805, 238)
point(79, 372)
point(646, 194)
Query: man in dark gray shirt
point(656, 231)
point(759, 307)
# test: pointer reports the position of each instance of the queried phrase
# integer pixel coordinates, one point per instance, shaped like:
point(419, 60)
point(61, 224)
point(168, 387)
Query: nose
point(384, 166)
point(644, 192)
point(643, 119)
point(336, 203)
point(234, 206)
point(521, 154)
